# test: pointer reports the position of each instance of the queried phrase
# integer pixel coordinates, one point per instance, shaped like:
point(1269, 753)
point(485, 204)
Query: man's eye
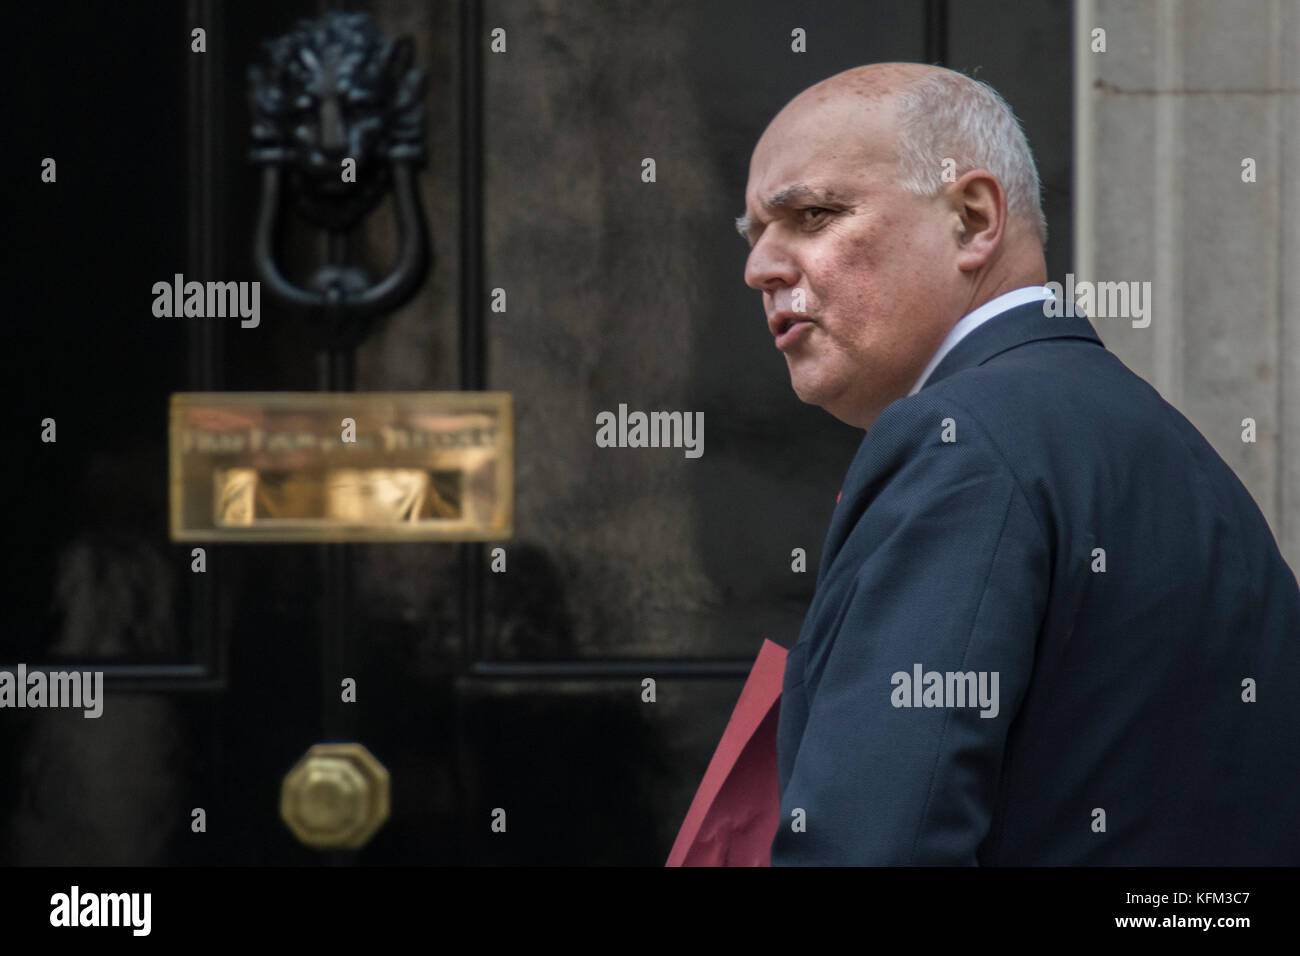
point(811, 209)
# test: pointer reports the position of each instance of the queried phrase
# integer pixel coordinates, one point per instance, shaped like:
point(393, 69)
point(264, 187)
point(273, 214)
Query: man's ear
point(981, 205)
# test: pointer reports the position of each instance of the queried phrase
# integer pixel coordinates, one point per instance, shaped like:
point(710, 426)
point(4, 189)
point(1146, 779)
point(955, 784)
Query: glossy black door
point(479, 691)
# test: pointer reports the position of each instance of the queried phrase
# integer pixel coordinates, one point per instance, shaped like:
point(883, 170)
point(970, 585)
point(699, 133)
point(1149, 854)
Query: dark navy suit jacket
point(1122, 734)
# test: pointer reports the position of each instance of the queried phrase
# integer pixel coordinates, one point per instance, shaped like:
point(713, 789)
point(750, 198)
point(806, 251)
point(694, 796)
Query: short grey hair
point(948, 115)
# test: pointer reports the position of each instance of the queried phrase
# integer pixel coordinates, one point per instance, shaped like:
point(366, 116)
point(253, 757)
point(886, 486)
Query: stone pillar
point(1185, 92)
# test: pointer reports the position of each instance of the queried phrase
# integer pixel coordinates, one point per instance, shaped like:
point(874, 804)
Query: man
point(1050, 625)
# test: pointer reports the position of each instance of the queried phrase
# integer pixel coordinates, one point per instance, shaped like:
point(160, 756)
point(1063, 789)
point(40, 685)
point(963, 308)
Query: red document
point(733, 818)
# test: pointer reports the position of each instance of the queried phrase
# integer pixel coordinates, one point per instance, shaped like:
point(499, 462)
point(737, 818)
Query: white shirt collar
point(972, 320)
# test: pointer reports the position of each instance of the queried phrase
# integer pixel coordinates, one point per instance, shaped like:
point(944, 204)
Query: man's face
point(873, 264)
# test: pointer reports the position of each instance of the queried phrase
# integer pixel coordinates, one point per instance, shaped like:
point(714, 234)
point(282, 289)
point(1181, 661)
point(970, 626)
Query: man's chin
point(812, 394)
point(833, 403)
point(802, 392)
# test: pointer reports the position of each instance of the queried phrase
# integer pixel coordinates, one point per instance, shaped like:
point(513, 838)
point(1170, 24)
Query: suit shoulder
point(1050, 389)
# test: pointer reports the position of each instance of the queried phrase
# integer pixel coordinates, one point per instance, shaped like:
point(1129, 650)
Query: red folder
point(733, 818)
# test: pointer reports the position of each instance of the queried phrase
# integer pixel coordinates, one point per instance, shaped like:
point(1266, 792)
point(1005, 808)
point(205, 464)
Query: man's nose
point(769, 267)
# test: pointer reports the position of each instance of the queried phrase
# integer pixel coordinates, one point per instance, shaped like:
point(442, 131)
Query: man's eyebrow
point(782, 198)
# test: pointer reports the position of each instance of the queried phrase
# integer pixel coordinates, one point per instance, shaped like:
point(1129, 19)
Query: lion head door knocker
point(338, 123)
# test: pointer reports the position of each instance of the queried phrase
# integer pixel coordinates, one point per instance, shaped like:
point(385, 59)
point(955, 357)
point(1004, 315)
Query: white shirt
point(969, 322)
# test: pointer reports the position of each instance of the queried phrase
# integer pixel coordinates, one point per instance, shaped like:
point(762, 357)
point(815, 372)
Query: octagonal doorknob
point(335, 797)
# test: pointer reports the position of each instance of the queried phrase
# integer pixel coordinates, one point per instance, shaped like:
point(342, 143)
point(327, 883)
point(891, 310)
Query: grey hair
point(948, 115)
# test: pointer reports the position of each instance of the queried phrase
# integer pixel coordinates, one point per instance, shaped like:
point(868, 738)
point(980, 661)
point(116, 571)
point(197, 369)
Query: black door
point(486, 695)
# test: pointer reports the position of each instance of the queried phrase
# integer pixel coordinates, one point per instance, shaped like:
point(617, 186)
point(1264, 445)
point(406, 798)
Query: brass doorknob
point(335, 797)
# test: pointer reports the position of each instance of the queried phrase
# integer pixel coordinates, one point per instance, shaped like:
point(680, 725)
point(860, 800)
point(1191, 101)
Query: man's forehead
point(836, 175)
point(825, 142)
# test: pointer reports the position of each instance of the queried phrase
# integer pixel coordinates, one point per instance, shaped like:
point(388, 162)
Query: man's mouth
point(789, 329)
